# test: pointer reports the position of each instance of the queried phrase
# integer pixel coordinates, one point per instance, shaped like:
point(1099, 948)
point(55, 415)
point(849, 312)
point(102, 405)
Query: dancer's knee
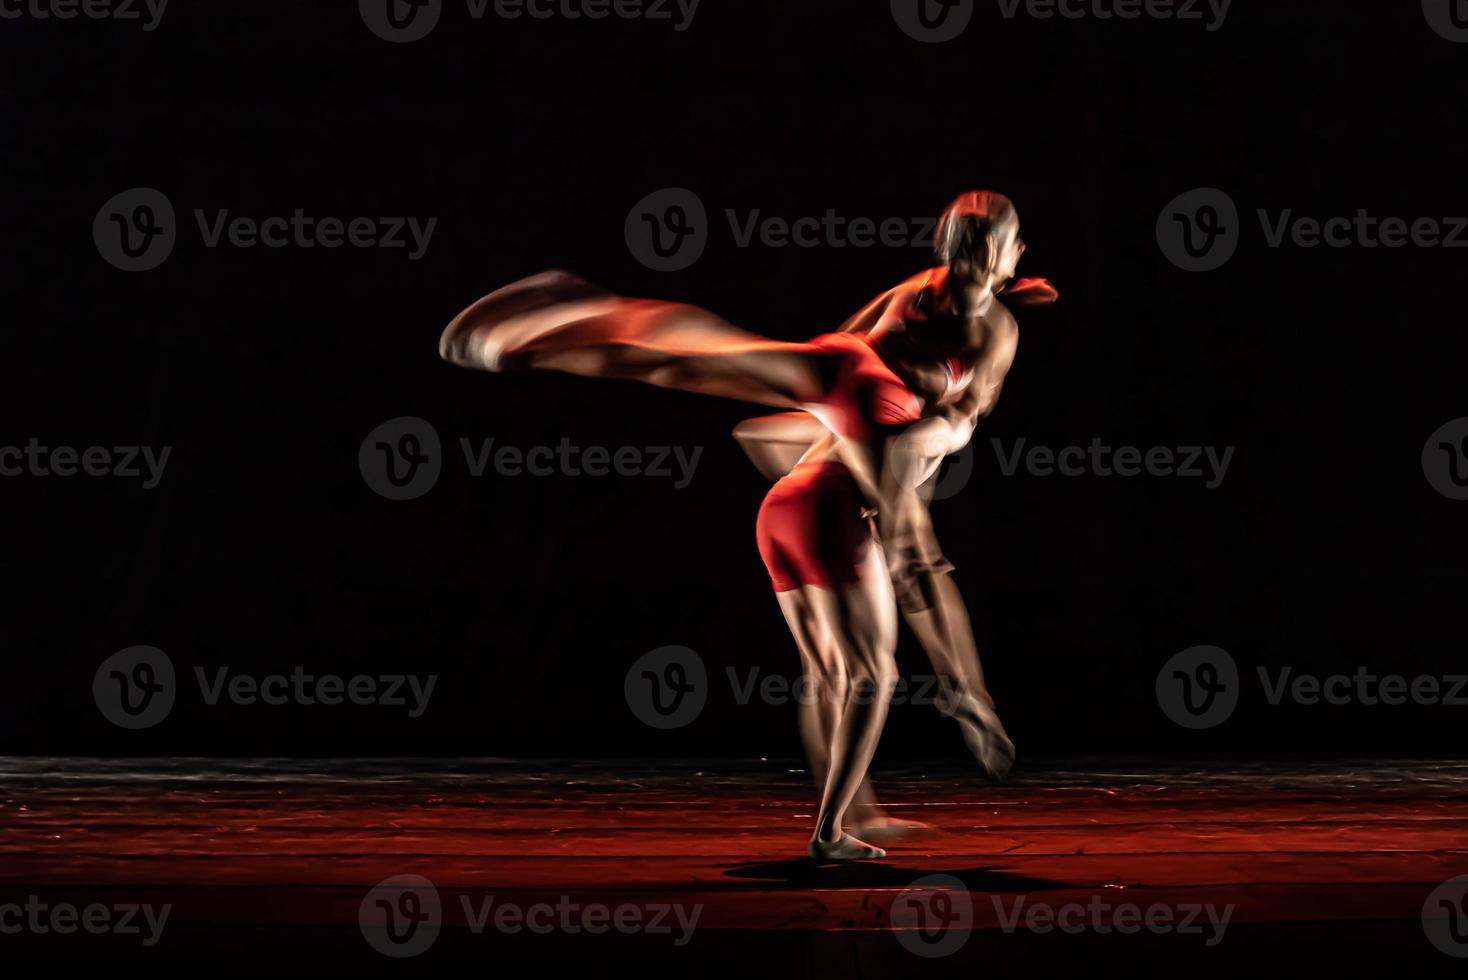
point(873, 677)
point(825, 678)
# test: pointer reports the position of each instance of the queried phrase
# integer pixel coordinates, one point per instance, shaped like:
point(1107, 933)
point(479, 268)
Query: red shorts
point(811, 530)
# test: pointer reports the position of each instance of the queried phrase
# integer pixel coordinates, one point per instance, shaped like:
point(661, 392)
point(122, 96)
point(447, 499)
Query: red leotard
point(810, 528)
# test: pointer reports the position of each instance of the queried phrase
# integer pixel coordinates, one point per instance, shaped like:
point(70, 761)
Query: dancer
point(558, 322)
point(953, 346)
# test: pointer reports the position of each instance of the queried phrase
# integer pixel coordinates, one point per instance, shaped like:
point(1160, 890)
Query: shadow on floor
point(805, 873)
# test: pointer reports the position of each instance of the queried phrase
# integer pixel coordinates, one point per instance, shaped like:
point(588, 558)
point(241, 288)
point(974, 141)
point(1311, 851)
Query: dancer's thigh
point(862, 619)
point(822, 663)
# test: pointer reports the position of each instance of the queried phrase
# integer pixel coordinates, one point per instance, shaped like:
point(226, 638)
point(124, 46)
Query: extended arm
point(775, 443)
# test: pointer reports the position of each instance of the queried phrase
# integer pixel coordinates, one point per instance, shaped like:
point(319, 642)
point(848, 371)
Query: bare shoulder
point(1001, 320)
point(1003, 340)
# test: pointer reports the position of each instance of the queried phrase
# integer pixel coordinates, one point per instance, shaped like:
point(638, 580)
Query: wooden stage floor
point(680, 866)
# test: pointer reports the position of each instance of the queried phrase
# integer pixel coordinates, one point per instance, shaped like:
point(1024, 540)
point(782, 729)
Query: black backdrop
point(1325, 548)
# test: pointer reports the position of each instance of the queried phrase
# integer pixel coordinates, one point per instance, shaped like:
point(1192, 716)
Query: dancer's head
point(978, 240)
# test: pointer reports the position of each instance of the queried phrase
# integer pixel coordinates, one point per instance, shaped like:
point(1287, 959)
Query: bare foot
point(984, 734)
point(848, 848)
point(993, 749)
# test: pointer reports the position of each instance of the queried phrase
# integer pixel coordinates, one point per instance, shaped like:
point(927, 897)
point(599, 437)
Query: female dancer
point(939, 341)
point(812, 535)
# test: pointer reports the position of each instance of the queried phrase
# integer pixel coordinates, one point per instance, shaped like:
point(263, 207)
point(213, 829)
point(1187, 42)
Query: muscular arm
point(948, 428)
point(775, 443)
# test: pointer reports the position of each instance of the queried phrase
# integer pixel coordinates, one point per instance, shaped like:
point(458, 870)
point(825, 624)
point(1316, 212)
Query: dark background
point(1325, 548)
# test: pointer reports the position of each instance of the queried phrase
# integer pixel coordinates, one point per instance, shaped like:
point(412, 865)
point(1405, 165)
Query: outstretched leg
point(946, 634)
